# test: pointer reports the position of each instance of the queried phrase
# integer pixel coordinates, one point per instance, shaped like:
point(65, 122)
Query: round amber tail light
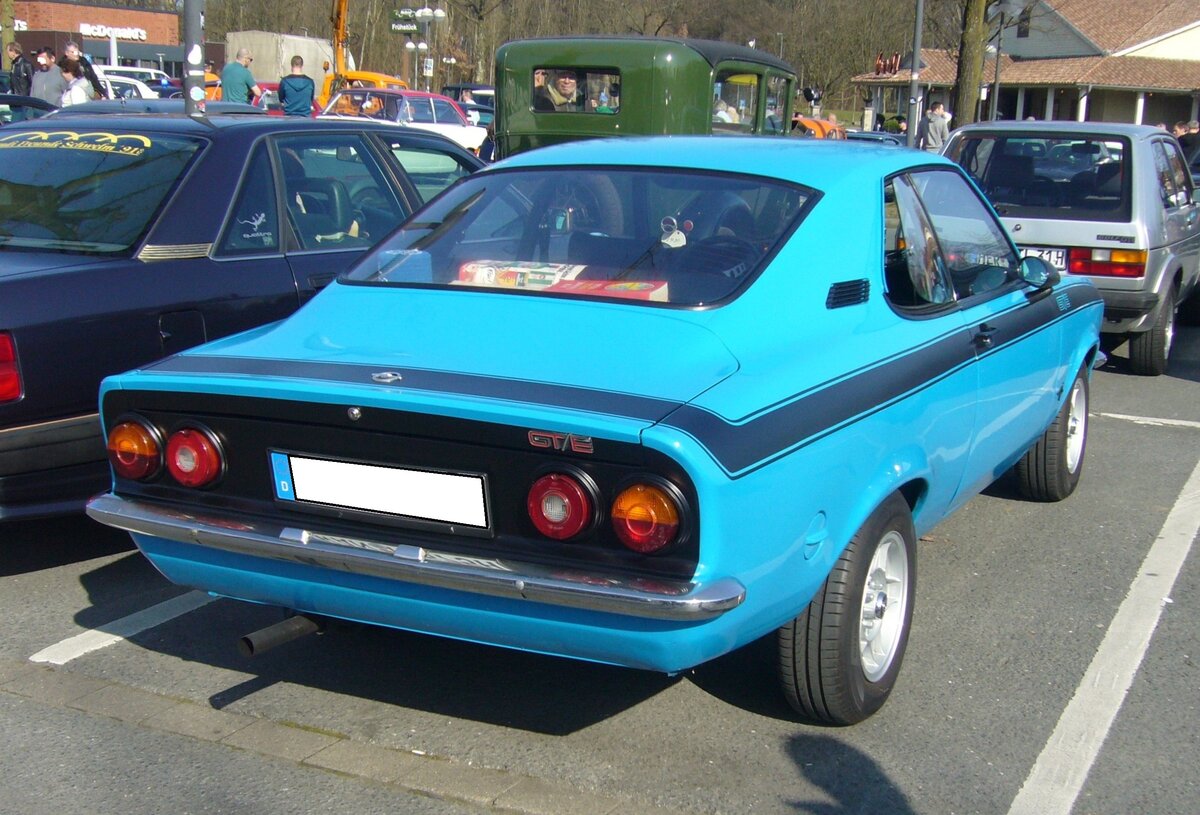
point(134, 451)
point(645, 517)
point(194, 457)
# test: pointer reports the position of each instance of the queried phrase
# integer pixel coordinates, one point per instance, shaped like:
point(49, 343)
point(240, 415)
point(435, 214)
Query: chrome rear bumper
point(651, 598)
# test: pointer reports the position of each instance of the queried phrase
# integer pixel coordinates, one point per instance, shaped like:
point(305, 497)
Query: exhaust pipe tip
point(272, 636)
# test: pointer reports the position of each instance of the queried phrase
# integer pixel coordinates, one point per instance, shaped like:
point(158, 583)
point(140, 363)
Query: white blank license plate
point(1055, 257)
point(451, 498)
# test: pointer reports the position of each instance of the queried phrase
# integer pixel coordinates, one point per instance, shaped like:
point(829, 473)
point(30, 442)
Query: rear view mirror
point(1038, 273)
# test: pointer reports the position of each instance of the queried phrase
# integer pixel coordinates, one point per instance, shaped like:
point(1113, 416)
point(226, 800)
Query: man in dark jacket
point(22, 77)
point(296, 90)
point(73, 51)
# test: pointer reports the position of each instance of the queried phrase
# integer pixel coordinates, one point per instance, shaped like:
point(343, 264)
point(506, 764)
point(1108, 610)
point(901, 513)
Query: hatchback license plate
point(427, 495)
point(1055, 257)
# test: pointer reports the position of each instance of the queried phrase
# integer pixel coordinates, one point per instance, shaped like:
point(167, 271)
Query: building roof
point(1116, 25)
point(941, 65)
point(1130, 73)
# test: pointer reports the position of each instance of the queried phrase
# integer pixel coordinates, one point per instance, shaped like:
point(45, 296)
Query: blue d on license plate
point(453, 498)
point(1056, 257)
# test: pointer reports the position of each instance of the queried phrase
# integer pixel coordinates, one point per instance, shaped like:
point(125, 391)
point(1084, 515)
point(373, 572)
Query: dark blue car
point(128, 238)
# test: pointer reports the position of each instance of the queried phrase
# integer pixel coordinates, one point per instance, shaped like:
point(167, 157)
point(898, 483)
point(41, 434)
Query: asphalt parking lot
point(111, 701)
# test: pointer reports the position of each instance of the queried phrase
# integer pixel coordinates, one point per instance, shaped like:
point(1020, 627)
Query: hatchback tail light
point(645, 517)
point(134, 451)
point(194, 457)
point(561, 505)
point(1107, 262)
point(10, 375)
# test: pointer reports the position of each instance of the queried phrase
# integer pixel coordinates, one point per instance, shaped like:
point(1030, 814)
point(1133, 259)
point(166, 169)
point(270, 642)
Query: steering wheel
point(592, 201)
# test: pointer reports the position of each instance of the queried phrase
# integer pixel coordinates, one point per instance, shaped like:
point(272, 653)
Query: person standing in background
point(933, 132)
point(73, 51)
point(237, 83)
point(48, 82)
point(21, 73)
point(296, 90)
point(78, 88)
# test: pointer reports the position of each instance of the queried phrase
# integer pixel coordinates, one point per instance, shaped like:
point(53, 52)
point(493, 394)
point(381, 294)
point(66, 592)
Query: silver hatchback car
point(1114, 202)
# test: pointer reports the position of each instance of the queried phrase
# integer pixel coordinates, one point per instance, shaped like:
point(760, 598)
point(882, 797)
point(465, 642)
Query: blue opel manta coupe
point(636, 401)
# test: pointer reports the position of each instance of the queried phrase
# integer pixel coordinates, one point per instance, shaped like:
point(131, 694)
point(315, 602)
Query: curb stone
point(497, 790)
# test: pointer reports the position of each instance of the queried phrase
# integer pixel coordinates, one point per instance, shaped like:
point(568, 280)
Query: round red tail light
point(645, 518)
point(134, 451)
point(560, 506)
point(194, 457)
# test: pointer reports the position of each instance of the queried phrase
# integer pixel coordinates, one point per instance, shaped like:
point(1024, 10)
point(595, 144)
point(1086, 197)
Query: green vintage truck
point(557, 89)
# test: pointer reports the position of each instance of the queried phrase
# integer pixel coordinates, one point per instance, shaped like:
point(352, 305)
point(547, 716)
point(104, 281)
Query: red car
point(270, 100)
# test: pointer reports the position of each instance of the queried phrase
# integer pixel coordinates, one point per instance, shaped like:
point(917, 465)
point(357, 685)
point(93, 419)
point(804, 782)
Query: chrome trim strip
point(651, 598)
point(57, 430)
point(181, 251)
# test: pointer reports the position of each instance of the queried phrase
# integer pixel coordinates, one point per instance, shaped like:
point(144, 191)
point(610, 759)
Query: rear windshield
point(84, 191)
point(653, 236)
point(1072, 178)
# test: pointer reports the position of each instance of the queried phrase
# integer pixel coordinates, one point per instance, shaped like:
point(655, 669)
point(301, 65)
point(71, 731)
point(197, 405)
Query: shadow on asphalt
point(532, 692)
point(851, 779)
point(31, 546)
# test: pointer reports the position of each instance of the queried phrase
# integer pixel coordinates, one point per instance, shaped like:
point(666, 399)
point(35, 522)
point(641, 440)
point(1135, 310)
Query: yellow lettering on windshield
point(96, 142)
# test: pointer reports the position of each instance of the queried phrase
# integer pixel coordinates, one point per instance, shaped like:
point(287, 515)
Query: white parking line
point(1060, 771)
point(1146, 420)
point(93, 640)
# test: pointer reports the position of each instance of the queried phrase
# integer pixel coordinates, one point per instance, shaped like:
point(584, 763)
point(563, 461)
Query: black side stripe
point(739, 446)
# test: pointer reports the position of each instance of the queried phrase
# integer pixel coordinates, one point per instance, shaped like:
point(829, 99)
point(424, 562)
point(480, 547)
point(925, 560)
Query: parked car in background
point(129, 238)
point(1112, 202)
point(356, 79)
point(120, 86)
point(269, 100)
point(30, 105)
point(149, 76)
point(817, 128)
point(563, 410)
point(480, 94)
point(877, 137)
point(156, 105)
point(631, 86)
point(478, 115)
point(416, 109)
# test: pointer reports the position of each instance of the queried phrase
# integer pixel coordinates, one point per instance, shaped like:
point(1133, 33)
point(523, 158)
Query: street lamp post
point(914, 67)
point(425, 17)
point(779, 34)
point(1003, 9)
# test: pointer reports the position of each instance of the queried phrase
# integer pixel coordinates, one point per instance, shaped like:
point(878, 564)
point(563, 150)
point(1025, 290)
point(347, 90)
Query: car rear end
point(1085, 198)
point(493, 509)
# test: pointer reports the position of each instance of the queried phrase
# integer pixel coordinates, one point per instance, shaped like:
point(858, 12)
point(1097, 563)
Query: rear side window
point(570, 89)
point(429, 170)
point(1173, 178)
point(1072, 178)
point(254, 225)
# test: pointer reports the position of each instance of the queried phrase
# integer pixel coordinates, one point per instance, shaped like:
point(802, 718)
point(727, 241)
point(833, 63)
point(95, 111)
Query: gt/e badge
point(563, 442)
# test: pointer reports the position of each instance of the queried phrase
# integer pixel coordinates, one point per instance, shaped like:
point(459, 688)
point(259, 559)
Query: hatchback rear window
point(85, 190)
point(1072, 178)
point(653, 236)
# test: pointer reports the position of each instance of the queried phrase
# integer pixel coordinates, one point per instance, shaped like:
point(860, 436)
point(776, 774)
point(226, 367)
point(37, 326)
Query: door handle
point(984, 338)
point(320, 281)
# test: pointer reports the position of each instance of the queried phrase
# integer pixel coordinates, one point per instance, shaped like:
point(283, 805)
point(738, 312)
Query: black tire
point(1050, 470)
point(1150, 350)
point(821, 652)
